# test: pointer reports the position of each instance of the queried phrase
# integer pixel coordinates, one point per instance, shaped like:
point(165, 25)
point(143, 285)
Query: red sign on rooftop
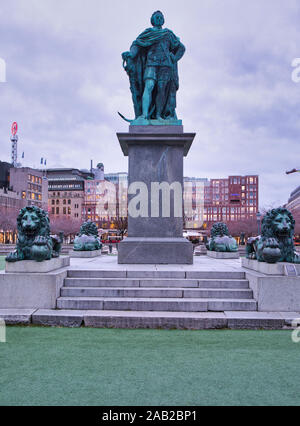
point(14, 128)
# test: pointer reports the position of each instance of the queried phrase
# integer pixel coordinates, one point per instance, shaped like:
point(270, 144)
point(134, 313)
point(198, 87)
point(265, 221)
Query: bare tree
point(248, 226)
point(121, 224)
point(69, 226)
point(8, 223)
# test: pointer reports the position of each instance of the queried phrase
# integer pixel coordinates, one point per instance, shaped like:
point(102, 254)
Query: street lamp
point(258, 217)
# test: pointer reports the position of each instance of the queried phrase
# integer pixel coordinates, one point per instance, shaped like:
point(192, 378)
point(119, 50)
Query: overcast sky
point(65, 83)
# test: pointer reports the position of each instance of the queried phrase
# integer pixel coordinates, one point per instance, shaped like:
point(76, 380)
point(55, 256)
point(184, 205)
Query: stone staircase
point(166, 299)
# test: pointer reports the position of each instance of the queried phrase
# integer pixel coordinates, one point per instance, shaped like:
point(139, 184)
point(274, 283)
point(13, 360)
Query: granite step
point(156, 320)
point(131, 319)
point(186, 320)
point(149, 319)
point(156, 304)
point(167, 282)
point(156, 292)
point(90, 273)
point(219, 293)
point(101, 282)
point(223, 283)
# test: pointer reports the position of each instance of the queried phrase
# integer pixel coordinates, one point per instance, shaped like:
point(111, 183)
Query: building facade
point(234, 199)
point(293, 204)
point(100, 202)
point(205, 202)
point(31, 185)
point(19, 187)
point(120, 180)
point(4, 174)
point(105, 198)
point(102, 198)
point(10, 201)
point(66, 193)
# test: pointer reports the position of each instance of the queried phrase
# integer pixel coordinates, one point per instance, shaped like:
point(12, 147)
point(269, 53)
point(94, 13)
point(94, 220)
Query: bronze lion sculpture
point(34, 239)
point(220, 239)
point(276, 243)
point(87, 239)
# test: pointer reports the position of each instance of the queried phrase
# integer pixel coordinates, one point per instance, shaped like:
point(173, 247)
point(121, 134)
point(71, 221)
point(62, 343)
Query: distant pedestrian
point(110, 247)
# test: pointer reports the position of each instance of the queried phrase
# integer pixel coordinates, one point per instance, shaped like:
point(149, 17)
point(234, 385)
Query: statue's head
point(33, 221)
point(157, 19)
point(219, 229)
point(89, 228)
point(278, 223)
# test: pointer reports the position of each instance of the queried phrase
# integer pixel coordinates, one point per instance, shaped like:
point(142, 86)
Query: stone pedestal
point(85, 254)
point(28, 284)
point(31, 266)
point(281, 268)
point(223, 255)
point(276, 287)
point(200, 250)
point(156, 166)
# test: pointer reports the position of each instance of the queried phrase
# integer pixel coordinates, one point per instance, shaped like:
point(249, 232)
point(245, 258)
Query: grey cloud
point(66, 83)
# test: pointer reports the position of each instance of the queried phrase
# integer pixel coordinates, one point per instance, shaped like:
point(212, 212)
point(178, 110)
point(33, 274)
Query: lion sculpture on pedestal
point(34, 239)
point(276, 243)
point(220, 239)
point(87, 239)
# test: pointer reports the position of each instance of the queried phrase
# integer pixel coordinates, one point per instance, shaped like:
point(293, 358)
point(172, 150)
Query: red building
point(234, 199)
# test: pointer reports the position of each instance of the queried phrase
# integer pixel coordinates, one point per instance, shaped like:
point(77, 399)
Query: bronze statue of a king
point(151, 65)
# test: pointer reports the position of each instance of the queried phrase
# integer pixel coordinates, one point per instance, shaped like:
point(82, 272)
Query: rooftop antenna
point(14, 146)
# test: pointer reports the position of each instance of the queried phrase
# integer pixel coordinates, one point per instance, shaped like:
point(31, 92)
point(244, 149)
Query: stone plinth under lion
point(221, 245)
point(272, 264)
point(34, 272)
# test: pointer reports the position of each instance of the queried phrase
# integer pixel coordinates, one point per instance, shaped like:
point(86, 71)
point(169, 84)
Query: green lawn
point(2, 262)
point(63, 366)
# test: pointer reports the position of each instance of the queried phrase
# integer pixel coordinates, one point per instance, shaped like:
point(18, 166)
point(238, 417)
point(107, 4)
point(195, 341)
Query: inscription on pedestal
point(290, 270)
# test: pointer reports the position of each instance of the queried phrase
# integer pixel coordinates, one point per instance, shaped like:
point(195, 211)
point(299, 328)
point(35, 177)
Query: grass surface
point(2, 262)
point(63, 366)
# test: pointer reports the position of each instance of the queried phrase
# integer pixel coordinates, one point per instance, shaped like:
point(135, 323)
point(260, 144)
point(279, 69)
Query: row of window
point(52, 186)
point(64, 202)
point(226, 218)
point(35, 179)
point(66, 194)
point(242, 181)
point(34, 187)
point(64, 210)
point(232, 210)
point(32, 196)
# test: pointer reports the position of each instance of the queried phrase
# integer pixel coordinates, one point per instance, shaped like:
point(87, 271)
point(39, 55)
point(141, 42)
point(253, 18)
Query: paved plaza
point(201, 263)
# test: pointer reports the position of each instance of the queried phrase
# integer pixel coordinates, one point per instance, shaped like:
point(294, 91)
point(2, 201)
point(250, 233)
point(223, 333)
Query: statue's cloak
point(151, 36)
point(136, 67)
